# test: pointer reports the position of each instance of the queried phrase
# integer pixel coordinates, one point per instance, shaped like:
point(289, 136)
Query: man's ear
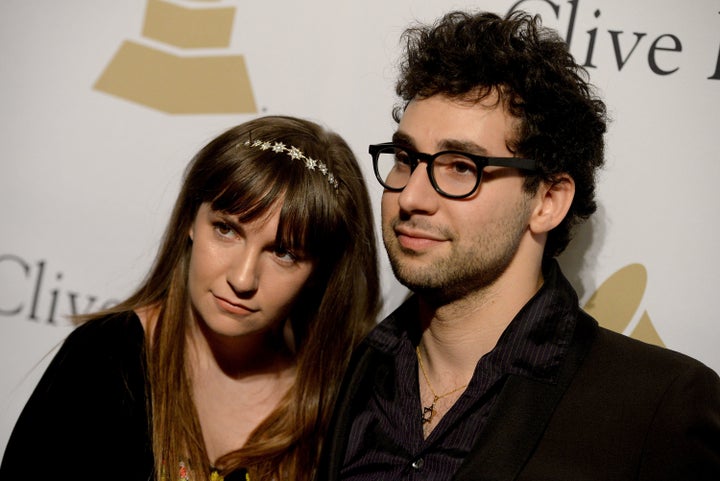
point(553, 200)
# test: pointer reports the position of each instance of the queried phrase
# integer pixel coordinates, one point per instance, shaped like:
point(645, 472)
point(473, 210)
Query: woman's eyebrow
point(229, 219)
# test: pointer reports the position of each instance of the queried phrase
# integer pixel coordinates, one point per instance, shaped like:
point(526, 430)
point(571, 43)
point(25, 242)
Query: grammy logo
point(182, 66)
point(616, 302)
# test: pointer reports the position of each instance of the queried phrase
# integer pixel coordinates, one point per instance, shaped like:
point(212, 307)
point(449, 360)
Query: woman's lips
point(233, 307)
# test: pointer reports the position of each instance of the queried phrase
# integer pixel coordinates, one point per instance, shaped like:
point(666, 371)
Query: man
point(491, 370)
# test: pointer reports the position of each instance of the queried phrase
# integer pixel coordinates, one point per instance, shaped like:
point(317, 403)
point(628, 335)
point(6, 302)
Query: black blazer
point(620, 410)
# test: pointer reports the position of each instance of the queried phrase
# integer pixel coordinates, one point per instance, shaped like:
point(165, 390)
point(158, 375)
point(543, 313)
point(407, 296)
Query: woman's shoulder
point(114, 328)
point(103, 357)
point(116, 338)
point(89, 407)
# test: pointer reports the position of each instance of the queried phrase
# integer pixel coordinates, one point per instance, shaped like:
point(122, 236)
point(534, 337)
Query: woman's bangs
point(247, 190)
point(252, 186)
point(307, 220)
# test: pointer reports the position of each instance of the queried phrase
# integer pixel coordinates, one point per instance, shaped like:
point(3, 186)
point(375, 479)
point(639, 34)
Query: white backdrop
point(87, 179)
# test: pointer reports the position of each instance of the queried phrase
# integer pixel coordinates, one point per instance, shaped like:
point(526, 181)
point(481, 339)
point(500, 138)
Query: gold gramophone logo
point(193, 81)
point(617, 305)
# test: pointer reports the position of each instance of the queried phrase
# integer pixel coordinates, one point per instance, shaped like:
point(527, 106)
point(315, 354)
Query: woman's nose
point(243, 274)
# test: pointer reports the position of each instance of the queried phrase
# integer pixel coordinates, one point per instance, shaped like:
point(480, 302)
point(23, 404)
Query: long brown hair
point(337, 307)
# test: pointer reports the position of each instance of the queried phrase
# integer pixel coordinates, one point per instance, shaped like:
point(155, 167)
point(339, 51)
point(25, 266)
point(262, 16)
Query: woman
point(228, 357)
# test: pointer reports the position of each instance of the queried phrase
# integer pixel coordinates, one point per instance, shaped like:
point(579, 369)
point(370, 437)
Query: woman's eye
point(223, 229)
point(285, 255)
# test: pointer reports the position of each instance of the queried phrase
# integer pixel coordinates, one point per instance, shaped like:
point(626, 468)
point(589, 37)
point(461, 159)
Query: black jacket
point(619, 410)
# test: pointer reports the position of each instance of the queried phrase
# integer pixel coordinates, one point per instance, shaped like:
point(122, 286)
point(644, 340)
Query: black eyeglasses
point(453, 174)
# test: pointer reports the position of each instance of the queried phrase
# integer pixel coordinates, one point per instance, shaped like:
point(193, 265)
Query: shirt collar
point(534, 343)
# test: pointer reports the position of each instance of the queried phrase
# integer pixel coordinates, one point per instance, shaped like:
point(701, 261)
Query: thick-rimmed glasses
point(452, 173)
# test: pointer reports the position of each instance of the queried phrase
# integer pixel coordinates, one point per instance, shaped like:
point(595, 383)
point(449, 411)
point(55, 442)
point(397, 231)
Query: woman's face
point(240, 281)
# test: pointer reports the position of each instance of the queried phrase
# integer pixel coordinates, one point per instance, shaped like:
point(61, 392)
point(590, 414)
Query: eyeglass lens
point(453, 173)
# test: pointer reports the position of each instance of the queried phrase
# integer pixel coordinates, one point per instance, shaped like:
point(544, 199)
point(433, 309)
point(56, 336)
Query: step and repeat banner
point(104, 103)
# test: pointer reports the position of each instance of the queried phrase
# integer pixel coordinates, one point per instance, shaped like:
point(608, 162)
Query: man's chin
point(422, 283)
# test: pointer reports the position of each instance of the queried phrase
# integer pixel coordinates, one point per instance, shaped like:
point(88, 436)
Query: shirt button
point(418, 463)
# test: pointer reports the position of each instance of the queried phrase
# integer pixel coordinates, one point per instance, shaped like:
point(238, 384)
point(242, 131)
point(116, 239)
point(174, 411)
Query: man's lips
point(416, 239)
point(233, 307)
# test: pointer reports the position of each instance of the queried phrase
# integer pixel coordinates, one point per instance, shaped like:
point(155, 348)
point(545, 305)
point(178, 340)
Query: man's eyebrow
point(405, 140)
point(402, 138)
point(463, 146)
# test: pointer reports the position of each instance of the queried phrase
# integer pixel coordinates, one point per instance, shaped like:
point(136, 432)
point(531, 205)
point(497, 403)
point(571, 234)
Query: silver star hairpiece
point(295, 154)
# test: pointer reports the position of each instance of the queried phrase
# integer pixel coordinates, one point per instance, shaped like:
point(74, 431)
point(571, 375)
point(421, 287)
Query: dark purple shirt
point(386, 440)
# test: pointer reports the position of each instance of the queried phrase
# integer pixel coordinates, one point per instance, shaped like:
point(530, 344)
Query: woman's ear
point(553, 202)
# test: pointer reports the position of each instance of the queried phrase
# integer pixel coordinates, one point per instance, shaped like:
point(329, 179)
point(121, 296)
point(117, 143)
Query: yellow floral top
point(184, 474)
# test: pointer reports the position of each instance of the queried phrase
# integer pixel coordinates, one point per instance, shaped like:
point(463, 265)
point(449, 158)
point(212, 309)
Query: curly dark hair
point(562, 121)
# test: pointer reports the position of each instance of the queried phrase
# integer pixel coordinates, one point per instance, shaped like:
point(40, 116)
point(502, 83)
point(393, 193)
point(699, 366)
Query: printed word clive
point(661, 52)
point(37, 294)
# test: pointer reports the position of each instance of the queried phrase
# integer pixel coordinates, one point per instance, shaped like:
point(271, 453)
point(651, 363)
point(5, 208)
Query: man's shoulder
point(619, 358)
point(626, 348)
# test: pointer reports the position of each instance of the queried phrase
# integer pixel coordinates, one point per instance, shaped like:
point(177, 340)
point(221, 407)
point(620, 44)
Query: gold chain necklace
point(429, 411)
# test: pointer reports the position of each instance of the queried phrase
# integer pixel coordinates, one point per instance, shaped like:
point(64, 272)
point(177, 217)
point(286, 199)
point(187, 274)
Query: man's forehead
point(462, 145)
point(444, 123)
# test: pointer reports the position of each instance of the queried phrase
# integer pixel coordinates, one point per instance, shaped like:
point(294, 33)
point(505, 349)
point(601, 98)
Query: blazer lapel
point(519, 417)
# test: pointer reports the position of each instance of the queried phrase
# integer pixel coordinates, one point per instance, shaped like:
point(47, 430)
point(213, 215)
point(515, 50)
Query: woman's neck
point(236, 384)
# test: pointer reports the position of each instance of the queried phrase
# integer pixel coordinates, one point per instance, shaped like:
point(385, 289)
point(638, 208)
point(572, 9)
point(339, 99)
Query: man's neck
point(457, 334)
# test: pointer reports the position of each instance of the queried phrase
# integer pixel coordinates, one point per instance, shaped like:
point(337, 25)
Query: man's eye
point(402, 157)
point(455, 165)
point(462, 167)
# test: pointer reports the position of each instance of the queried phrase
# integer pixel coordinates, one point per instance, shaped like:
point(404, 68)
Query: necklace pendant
point(427, 413)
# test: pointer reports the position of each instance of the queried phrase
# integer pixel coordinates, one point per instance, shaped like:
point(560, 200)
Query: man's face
point(447, 248)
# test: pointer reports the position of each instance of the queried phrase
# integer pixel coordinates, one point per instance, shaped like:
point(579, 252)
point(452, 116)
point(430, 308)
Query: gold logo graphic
point(182, 84)
point(616, 302)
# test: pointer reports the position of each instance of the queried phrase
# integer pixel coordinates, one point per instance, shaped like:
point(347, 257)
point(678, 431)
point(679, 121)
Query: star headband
point(295, 154)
